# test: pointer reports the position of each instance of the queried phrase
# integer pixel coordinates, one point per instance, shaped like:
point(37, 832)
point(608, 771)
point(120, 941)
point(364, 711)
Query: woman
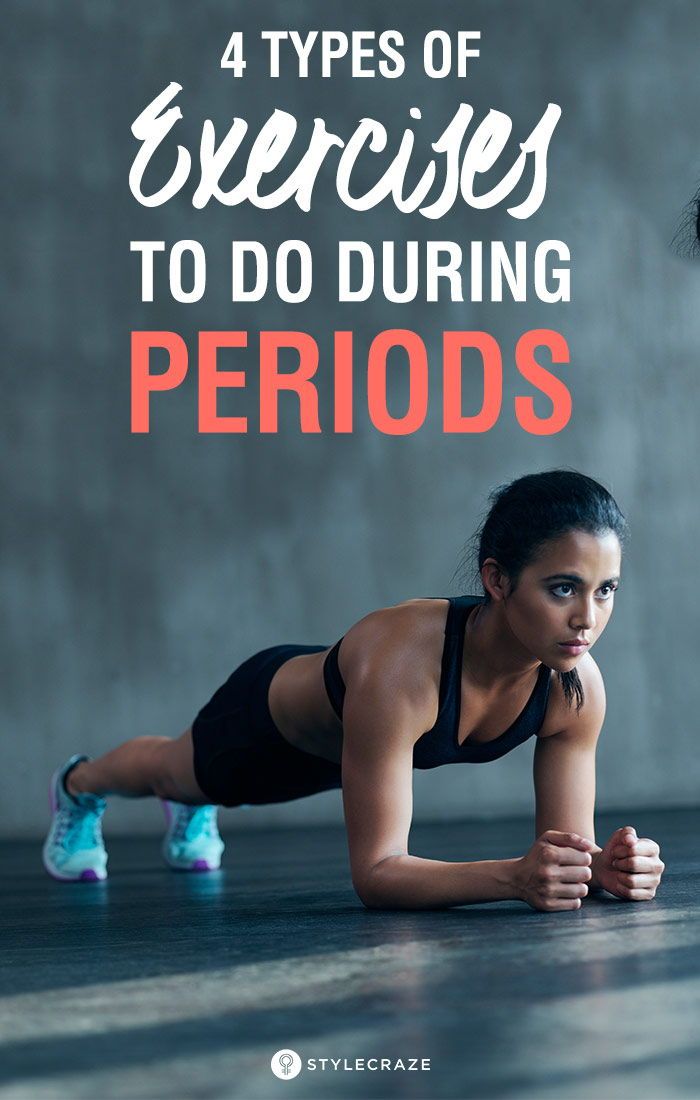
point(427, 682)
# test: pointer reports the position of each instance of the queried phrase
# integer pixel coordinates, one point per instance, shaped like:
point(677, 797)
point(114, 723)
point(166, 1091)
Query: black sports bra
point(439, 745)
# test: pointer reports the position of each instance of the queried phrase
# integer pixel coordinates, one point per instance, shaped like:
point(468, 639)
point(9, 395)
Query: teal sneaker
point(73, 850)
point(192, 842)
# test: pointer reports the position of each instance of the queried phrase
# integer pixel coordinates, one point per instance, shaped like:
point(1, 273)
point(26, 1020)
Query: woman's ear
point(496, 583)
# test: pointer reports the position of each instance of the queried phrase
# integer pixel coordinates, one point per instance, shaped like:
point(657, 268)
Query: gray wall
point(138, 570)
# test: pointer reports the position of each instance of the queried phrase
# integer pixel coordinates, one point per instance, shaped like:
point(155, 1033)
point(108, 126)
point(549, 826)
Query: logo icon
point(285, 1064)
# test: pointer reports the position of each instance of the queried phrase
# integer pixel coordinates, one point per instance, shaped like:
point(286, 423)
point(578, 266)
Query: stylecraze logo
point(286, 1064)
point(391, 1065)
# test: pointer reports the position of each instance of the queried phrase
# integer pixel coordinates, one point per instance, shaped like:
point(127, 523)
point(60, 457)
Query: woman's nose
point(583, 617)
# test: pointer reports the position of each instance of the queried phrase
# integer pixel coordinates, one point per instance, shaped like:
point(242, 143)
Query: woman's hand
point(629, 866)
point(555, 872)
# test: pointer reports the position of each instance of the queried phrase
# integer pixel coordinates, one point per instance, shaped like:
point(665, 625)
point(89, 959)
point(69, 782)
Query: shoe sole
point(197, 865)
point(84, 876)
point(89, 875)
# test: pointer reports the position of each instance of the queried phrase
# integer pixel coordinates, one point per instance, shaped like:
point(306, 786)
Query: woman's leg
point(160, 766)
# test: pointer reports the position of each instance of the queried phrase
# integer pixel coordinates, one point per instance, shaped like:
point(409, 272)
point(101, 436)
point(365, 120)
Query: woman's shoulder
point(399, 645)
point(398, 628)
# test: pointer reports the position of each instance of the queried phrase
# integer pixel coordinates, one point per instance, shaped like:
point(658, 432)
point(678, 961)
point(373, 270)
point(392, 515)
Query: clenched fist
point(629, 866)
point(555, 872)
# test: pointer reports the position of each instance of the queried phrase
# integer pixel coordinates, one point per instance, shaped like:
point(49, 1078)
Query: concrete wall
point(138, 570)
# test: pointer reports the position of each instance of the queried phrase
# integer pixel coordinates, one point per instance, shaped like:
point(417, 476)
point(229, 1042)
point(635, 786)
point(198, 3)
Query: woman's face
point(565, 596)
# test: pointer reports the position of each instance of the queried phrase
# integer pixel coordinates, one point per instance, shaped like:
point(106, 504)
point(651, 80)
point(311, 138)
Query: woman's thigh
point(176, 779)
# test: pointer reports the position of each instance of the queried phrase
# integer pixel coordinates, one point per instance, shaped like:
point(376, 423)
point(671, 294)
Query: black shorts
point(240, 757)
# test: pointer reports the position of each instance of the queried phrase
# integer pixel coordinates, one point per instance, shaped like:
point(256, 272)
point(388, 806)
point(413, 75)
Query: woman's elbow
point(373, 887)
point(369, 893)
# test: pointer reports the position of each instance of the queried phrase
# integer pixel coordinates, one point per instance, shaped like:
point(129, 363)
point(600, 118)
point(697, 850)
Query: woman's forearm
point(410, 882)
point(594, 884)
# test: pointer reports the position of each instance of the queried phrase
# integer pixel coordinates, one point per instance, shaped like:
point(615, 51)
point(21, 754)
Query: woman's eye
point(566, 590)
point(607, 590)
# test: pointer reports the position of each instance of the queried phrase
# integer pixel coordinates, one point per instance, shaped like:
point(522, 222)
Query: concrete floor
point(163, 985)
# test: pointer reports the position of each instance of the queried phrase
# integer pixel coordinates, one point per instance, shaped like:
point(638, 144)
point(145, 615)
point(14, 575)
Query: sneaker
point(73, 850)
point(192, 842)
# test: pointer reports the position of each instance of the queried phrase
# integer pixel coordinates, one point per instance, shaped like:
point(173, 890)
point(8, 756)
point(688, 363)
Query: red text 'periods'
point(483, 354)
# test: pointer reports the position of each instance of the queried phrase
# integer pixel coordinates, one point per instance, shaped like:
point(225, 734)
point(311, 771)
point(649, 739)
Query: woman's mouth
point(574, 647)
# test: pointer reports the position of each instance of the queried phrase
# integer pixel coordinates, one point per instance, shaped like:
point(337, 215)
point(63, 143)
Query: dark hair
point(528, 512)
point(686, 239)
